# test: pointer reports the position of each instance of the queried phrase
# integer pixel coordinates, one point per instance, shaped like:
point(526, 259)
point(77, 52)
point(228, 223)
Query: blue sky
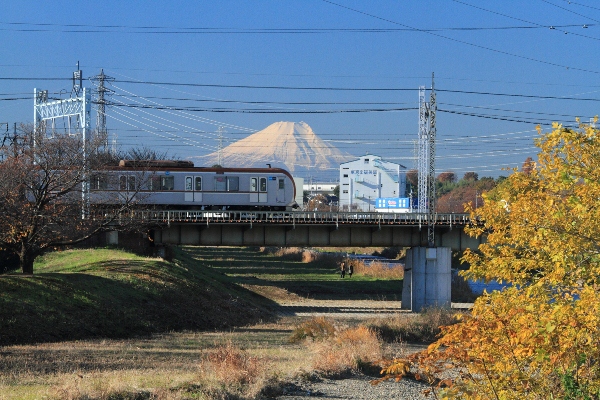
point(477, 50)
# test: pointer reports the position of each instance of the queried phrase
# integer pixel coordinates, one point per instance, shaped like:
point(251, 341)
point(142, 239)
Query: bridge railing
point(294, 217)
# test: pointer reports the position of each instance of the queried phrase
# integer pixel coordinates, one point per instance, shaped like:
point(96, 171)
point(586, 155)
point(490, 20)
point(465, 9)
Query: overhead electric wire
point(176, 136)
point(200, 119)
point(267, 102)
point(189, 129)
point(580, 4)
point(171, 30)
point(529, 22)
point(172, 137)
point(260, 111)
point(570, 11)
point(465, 42)
point(326, 88)
point(514, 111)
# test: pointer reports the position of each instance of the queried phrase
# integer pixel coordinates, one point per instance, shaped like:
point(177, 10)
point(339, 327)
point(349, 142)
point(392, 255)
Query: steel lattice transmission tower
point(101, 109)
point(423, 151)
point(77, 106)
point(426, 159)
point(431, 178)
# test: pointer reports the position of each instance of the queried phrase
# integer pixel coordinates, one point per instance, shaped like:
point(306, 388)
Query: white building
point(299, 182)
point(368, 178)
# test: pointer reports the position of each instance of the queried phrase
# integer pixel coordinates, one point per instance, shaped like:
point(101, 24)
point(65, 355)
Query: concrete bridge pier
point(427, 278)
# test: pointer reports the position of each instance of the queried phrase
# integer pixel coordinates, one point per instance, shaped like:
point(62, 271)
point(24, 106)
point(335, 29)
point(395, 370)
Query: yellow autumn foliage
point(540, 338)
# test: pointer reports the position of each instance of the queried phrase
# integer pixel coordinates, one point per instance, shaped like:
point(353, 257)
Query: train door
point(253, 190)
point(281, 190)
point(193, 188)
point(258, 190)
point(262, 190)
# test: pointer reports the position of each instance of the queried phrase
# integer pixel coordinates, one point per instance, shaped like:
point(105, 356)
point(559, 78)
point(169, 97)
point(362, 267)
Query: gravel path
point(355, 388)
point(347, 308)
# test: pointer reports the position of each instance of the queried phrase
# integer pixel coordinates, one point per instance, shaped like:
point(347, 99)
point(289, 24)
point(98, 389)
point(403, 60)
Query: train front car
point(180, 185)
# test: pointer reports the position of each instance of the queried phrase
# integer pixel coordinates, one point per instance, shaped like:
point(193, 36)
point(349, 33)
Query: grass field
point(112, 325)
point(79, 294)
point(275, 276)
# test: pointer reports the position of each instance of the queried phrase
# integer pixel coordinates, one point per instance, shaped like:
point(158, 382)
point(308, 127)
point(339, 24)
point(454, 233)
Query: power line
point(529, 22)
point(329, 88)
point(260, 111)
point(570, 11)
point(172, 30)
point(465, 42)
point(581, 5)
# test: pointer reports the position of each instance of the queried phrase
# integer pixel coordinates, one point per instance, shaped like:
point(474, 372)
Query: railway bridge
point(427, 273)
point(304, 228)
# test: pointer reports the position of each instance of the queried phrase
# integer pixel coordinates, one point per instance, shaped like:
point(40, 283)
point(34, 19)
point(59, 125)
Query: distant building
point(299, 182)
point(368, 178)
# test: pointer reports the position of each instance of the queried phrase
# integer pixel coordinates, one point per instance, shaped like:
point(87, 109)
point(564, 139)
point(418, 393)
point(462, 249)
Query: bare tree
point(448, 176)
point(528, 166)
point(471, 176)
point(412, 176)
point(44, 199)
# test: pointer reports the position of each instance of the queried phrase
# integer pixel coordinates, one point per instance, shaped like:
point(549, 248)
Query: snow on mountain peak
point(290, 145)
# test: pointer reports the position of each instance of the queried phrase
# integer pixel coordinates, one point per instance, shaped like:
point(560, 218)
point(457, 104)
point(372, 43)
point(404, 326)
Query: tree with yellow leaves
point(540, 338)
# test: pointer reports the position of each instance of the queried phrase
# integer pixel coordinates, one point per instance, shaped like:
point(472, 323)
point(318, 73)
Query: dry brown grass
point(231, 365)
point(348, 350)
point(376, 269)
point(423, 327)
point(122, 385)
point(234, 370)
point(316, 329)
point(307, 256)
point(164, 367)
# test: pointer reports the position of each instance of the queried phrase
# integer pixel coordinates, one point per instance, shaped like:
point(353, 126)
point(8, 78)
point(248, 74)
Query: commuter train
point(180, 185)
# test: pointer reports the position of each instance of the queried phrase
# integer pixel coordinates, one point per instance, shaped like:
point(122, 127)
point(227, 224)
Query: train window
point(98, 182)
point(188, 183)
point(167, 183)
point(127, 182)
point(233, 183)
point(263, 184)
point(154, 183)
point(253, 184)
point(281, 184)
point(220, 183)
point(198, 181)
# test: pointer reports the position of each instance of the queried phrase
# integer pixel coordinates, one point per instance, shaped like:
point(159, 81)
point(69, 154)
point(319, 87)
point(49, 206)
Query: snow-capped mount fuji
point(290, 145)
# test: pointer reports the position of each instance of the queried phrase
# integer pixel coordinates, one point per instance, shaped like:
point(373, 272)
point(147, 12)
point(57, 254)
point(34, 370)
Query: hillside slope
point(82, 294)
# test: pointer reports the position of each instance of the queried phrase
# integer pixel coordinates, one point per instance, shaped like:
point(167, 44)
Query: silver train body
point(180, 185)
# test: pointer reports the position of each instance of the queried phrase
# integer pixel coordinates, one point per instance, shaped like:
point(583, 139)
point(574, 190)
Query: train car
point(181, 185)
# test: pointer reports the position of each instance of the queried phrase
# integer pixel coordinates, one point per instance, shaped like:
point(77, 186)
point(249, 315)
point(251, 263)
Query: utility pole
point(5, 135)
point(13, 139)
